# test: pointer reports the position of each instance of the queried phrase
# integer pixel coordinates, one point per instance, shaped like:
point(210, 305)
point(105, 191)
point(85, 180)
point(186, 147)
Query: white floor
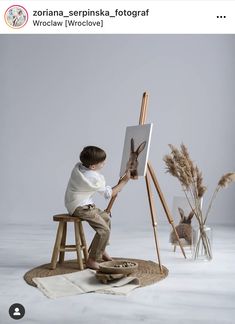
point(194, 292)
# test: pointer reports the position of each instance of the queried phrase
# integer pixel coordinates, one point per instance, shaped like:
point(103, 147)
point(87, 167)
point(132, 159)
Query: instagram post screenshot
point(117, 177)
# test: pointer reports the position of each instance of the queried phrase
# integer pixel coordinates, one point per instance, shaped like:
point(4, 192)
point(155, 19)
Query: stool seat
point(65, 218)
point(60, 246)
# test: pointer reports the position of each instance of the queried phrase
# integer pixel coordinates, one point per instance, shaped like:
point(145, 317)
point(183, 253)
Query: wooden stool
point(60, 246)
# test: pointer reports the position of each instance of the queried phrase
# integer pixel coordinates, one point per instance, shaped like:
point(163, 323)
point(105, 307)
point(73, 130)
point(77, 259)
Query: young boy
point(84, 182)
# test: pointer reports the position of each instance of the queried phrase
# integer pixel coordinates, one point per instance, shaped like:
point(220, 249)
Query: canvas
point(136, 150)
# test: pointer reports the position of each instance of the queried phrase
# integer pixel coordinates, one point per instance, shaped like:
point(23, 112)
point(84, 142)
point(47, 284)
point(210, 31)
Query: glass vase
point(202, 244)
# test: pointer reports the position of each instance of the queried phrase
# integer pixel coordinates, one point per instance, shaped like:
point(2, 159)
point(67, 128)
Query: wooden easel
point(150, 174)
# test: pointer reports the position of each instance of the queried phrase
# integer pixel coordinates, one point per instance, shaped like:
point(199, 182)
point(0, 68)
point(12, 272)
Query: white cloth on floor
point(82, 282)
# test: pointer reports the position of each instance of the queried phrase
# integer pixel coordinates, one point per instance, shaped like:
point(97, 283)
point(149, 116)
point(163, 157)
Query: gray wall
point(62, 92)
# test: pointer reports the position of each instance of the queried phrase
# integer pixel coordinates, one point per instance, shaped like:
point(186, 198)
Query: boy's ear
point(92, 167)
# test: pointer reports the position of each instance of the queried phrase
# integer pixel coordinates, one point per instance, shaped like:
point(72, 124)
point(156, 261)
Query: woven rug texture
point(148, 272)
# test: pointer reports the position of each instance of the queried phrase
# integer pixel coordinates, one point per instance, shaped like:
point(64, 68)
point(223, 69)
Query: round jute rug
point(148, 272)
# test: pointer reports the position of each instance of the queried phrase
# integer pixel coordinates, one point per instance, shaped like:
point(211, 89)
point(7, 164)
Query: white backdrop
point(60, 93)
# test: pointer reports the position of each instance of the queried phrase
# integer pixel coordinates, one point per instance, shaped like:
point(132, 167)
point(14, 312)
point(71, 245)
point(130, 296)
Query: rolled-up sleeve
point(99, 180)
point(106, 192)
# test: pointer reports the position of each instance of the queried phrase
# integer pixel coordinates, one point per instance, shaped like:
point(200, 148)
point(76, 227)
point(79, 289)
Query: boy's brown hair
point(92, 155)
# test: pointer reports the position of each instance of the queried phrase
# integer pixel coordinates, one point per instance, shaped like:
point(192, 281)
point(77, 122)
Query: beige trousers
point(100, 221)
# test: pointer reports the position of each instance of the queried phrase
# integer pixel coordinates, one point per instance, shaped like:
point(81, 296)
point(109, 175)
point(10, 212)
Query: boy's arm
point(116, 189)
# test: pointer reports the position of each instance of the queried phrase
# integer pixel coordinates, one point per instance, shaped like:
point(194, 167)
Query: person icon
point(17, 312)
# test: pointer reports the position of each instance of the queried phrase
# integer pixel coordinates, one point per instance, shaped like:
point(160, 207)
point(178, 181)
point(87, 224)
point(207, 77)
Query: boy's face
point(98, 166)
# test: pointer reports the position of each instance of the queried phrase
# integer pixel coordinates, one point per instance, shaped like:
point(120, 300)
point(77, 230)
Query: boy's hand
point(127, 176)
point(121, 183)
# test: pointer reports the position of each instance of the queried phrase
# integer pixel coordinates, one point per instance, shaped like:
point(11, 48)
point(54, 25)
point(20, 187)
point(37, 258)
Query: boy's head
point(93, 157)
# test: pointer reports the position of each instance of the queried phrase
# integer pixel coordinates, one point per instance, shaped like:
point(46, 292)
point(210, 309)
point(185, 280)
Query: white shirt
point(83, 184)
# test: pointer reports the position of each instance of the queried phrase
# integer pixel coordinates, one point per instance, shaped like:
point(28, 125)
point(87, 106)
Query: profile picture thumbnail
point(16, 16)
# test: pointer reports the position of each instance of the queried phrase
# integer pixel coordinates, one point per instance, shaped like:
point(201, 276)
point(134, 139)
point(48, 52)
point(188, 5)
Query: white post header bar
point(117, 17)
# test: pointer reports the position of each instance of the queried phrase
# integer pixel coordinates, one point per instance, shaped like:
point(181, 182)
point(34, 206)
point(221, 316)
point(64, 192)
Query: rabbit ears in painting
point(136, 149)
point(139, 149)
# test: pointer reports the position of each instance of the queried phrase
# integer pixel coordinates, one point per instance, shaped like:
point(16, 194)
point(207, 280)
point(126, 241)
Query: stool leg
point(83, 239)
point(63, 242)
point(57, 245)
point(78, 246)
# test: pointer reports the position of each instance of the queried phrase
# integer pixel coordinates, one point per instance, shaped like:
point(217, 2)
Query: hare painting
point(184, 229)
point(133, 162)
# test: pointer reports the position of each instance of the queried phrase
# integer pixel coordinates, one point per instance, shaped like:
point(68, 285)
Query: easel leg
point(160, 194)
point(153, 213)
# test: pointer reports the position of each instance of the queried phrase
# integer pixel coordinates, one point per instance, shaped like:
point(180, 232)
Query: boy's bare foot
point(106, 257)
point(92, 264)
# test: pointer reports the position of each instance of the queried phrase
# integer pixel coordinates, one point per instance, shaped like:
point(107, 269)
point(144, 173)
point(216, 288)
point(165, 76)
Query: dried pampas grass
point(226, 179)
point(180, 165)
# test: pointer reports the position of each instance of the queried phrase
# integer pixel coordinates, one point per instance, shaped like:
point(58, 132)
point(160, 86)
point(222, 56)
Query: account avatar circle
point(16, 311)
point(16, 16)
